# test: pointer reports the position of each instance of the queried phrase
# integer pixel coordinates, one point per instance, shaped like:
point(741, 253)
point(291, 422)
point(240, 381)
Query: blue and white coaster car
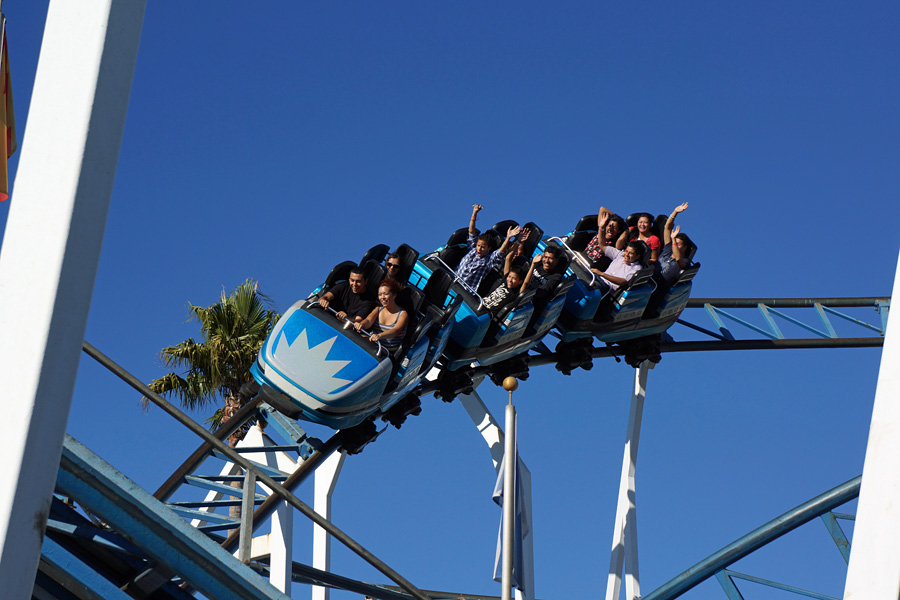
point(315, 367)
point(478, 336)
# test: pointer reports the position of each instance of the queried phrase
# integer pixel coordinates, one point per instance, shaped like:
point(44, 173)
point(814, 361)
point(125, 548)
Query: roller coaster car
point(642, 307)
point(314, 367)
point(478, 336)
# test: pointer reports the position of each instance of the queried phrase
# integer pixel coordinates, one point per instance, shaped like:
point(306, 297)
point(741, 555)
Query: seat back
point(376, 253)
point(587, 223)
point(535, 235)
point(340, 272)
point(408, 258)
point(374, 273)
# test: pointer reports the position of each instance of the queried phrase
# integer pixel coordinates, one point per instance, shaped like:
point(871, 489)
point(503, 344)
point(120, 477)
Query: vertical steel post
point(247, 505)
point(874, 570)
point(509, 498)
point(326, 479)
point(50, 252)
point(624, 546)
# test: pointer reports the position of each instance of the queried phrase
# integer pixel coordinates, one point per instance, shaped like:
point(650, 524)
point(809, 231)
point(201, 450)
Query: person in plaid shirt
point(479, 260)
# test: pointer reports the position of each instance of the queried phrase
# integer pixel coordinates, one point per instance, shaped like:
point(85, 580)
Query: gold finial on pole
point(510, 384)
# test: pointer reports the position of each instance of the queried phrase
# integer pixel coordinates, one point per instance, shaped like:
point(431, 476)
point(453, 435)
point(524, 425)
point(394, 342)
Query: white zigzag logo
point(315, 370)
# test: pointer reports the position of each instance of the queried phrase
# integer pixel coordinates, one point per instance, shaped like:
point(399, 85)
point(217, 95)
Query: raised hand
point(513, 231)
point(476, 208)
point(677, 229)
point(680, 208)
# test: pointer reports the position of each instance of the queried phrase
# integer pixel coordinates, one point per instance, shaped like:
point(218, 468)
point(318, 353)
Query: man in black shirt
point(348, 298)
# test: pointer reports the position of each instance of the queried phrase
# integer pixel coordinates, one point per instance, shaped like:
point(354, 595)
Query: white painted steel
point(624, 546)
point(874, 570)
point(490, 430)
point(50, 252)
point(281, 537)
point(326, 478)
point(509, 500)
point(247, 505)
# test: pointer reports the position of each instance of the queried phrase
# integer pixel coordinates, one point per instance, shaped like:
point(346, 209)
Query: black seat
point(376, 253)
point(587, 223)
point(374, 273)
point(340, 272)
point(408, 258)
point(535, 235)
point(501, 227)
point(490, 282)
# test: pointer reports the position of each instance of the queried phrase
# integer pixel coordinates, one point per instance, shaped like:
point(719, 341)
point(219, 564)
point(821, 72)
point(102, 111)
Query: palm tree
point(233, 330)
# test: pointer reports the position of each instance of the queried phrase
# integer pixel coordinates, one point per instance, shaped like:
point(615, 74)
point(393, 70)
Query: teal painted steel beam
point(153, 527)
point(756, 539)
point(80, 579)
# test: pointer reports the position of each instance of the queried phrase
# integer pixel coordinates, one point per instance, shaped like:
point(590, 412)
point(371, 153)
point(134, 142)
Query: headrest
point(587, 223)
point(374, 273)
point(410, 299)
point(460, 236)
point(408, 258)
point(376, 253)
point(533, 238)
point(436, 289)
point(340, 272)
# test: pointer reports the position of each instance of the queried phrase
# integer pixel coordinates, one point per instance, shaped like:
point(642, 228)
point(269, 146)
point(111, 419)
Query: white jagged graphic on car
point(312, 364)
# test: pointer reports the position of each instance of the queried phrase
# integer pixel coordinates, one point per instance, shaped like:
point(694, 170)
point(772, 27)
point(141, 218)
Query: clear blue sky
point(273, 140)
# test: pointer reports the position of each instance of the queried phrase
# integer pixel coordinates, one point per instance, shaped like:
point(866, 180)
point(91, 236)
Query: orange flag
point(7, 119)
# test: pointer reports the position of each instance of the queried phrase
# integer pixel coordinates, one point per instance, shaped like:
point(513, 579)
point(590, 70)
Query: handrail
point(264, 478)
point(456, 277)
point(576, 255)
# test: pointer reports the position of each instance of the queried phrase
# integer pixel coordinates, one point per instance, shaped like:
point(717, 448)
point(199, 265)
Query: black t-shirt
point(355, 305)
point(545, 283)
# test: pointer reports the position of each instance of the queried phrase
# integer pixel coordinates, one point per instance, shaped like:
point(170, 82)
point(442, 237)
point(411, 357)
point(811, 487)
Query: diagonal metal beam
point(158, 531)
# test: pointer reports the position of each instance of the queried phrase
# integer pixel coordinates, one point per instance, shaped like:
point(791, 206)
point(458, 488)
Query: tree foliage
point(213, 369)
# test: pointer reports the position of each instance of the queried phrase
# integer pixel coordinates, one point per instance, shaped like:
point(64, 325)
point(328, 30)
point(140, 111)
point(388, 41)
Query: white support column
point(50, 252)
point(624, 545)
point(874, 570)
point(281, 537)
point(326, 478)
point(490, 430)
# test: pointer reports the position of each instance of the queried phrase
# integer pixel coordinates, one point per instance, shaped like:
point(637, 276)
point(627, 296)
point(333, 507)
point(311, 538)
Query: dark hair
point(486, 237)
point(638, 248)
point(391, 255)
point(358, 271)
point(554, 251)
point(392, 285)
point(520, 271)
point(689, 245)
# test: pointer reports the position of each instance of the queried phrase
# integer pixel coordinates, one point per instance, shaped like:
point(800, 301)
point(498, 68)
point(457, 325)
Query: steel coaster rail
point(756, 539)
point(236, 458)
point(872, 301)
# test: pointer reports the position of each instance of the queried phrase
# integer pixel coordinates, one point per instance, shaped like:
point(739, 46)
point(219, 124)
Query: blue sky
point(274, 140)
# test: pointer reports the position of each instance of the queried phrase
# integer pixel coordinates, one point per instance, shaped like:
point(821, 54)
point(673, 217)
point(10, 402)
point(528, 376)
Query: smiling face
point(548, 261)
point(644, 225)
point(357, 283)
point(513, 280)
point(392, 266)
point(629, 254)
point(385, 296)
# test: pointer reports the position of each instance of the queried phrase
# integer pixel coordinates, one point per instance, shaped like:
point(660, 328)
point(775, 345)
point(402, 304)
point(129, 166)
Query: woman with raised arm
point(611, 232)
point(674, 256)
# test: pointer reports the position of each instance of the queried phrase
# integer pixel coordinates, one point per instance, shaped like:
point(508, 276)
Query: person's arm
point(368, 321)
point(475, 209)
point(326, 299)
point(398, 328)
point(509, 258)
point(530, 272)
point(623, 240)
point(676, 251)
point(612, 278)
point(670, 222)
point(602, 220)
point(603, 215)
point(510, 233)
point(654, 252)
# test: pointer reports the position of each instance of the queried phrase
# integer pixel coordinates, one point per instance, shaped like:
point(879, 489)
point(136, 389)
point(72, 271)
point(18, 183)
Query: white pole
point(874, 570)
point(493, 436)
point(509, 498)
point(624, 545)
point(326, 479)
point(50, 252)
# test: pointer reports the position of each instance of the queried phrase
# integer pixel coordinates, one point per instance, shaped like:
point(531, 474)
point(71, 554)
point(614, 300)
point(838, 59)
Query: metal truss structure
point(223, 558)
